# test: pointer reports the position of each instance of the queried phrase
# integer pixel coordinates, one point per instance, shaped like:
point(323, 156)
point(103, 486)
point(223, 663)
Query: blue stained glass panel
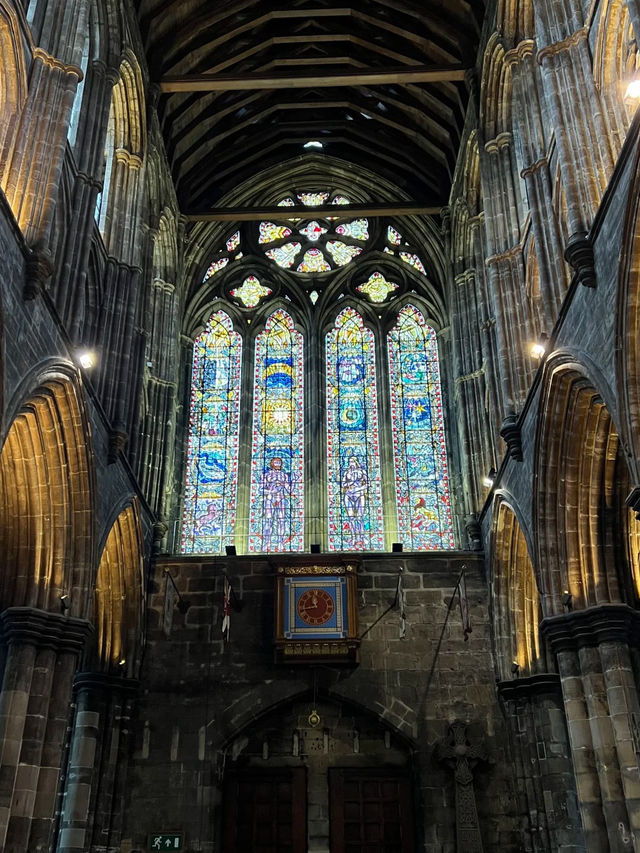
point(276, 519)
point(422, 488)
point(354, 489)
point(212, 458)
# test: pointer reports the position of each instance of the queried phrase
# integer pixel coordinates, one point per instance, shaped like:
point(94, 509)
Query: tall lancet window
point(276, 515)
point(354, 489)
point(422, 489)
point(212, 460)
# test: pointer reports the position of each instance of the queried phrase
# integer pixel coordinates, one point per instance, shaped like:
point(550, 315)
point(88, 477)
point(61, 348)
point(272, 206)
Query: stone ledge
point(43, 629)
point(543, 684)
point(605, 623)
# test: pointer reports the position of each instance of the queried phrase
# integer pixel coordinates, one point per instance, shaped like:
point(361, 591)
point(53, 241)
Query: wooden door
point(265, 811)
point(371, 811)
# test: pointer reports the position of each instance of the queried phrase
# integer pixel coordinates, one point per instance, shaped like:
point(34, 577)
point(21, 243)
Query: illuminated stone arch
point(47, 488)
point(581, 477)
point(628, 329)
point(515, 596)
point(118, 596)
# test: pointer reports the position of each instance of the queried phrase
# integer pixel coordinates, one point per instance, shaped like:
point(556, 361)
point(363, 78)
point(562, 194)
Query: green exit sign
point(166, 841)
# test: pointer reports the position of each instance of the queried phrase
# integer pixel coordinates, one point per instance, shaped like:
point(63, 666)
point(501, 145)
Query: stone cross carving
point(456, 751)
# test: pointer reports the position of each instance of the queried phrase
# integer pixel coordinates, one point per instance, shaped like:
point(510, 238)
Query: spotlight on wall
point(633, 89)
point(396, 547)
point(230, 550)
point(64, 603)
point(539, 348)
point(313, 143)
point(122, 662)
point(490, 479)
point(315, 548)
point(567, 600)
point(86, 359)
point(515, 668)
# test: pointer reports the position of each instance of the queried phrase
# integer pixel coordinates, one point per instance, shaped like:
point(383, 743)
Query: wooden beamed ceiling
point(380, 83)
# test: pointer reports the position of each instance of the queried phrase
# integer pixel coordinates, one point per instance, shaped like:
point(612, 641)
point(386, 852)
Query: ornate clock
point(316, 611)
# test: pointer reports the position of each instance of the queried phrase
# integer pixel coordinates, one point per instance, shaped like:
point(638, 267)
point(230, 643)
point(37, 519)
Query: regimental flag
point(226, 609)
point(464, 606)
point(401, 606)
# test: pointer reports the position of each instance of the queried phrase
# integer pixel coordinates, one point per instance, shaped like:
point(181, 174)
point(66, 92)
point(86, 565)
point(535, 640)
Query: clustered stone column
point(592, 648)
point(578, 117)
point(539, 744)
point(94, 781)
point(42, 652)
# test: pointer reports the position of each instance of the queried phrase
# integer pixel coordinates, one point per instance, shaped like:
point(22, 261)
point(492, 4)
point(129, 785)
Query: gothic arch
point(578, 470)
point(46, 483)
point(118, 596)
point(515, 596)
point(628, 330)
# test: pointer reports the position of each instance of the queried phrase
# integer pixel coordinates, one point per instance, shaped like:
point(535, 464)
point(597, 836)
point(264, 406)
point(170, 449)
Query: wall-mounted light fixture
point(567, 600)
point(490, 479)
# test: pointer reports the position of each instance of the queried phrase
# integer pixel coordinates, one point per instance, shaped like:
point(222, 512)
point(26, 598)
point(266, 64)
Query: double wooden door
point(266, 811)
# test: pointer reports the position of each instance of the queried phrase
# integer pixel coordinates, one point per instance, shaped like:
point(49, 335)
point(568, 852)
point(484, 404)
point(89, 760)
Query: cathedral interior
point(320, 415)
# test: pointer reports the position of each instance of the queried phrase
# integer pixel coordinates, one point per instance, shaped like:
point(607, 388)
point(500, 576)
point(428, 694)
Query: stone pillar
point(43, 650)
point(528, 115)
point(33, 176)
point(601, 702)
point(542, 762)
point(578, 118)
point(98, 758)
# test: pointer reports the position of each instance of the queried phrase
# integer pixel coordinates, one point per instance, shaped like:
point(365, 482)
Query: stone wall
point(204, 702)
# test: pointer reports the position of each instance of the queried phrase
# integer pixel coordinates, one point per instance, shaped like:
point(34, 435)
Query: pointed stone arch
point(515, 596)
point(579, 467)
point(118, 597)
point(47, 495)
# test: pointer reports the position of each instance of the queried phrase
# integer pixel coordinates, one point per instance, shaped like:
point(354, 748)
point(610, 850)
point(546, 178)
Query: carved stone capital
point(579, 255)
point(604, 623)
point(118, 439)
point(510, 431)
point(474, 532)
point(29, 626)
point(544, 684)
point(97, 682)
point(39, 271)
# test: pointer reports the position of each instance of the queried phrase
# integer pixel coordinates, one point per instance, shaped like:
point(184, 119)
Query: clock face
point(315, 607)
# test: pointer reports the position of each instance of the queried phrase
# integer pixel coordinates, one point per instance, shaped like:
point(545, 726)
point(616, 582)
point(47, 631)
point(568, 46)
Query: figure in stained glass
point(276, 485)
point(276, 519)
point(354, 492)
point(422, 491)
point(211, 478)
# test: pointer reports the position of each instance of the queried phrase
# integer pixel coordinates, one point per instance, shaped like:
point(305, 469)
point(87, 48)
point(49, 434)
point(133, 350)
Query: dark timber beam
point(256, 214)
point(360, 77)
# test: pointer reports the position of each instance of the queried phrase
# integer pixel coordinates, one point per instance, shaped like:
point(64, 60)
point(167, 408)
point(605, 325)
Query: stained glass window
point(377, 288)
point(422, 490)
point(276, 520)
point(354, 488)
point(310, 245)
point(224, 256)
point(212, 460)
point(251, 292)
point(395, 238)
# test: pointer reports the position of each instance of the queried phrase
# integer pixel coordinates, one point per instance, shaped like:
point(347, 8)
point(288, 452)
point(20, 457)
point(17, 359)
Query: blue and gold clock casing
point(316, 615)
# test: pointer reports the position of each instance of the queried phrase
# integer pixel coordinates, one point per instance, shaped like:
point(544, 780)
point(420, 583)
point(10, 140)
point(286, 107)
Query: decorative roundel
point(315, 606)
point(313, 244)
